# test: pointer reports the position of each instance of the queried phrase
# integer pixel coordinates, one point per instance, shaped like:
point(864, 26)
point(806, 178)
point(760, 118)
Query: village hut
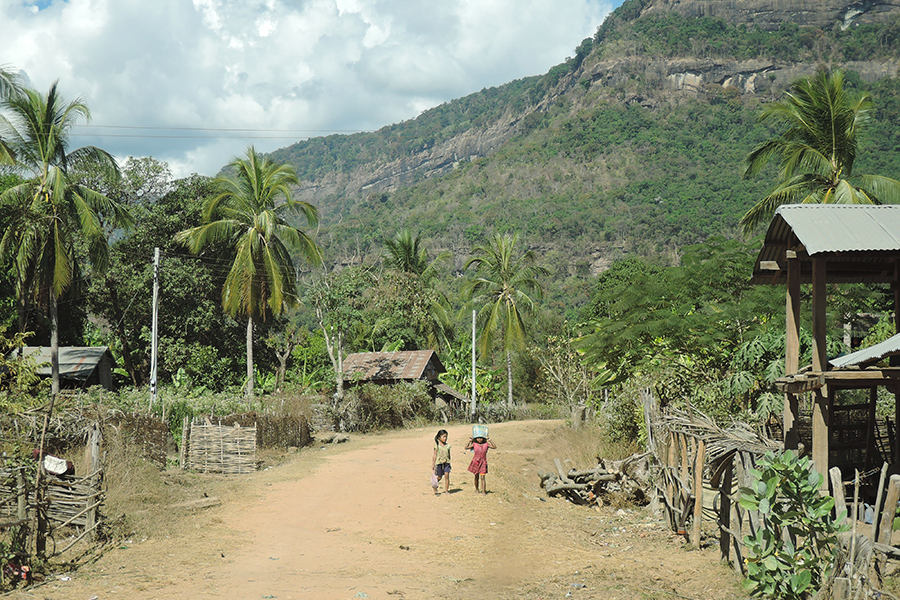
point(823, 244)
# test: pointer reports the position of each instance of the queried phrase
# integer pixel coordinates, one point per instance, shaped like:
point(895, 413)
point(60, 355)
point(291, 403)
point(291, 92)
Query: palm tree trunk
point(54, 344)
point(250, 358)
point(509, 396)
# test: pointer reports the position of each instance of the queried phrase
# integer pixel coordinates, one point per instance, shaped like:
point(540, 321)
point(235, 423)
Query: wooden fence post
point(725, 511)
point(737, 517)
point(837, 490)
point(699, 459)
point(94, 449)
point(890, 507)
point(185, 435)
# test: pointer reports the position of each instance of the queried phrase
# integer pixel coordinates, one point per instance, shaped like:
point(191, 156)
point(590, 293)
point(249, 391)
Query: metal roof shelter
point(821, 244)
point(80, 365)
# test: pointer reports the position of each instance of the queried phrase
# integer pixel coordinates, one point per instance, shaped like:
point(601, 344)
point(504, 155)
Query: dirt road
point(361, 521)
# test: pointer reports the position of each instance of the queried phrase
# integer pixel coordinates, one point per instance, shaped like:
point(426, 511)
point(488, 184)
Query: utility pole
point(472, 408)
point(154, 337)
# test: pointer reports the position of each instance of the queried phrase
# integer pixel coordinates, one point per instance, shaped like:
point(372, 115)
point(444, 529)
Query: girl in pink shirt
point(479, 466)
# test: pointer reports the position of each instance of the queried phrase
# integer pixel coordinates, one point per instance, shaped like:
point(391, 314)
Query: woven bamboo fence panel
point(215, 448)
point(70, 499)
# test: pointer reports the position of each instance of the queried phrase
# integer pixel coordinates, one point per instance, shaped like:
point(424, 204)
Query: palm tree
point(52, 211)
point(10, 84)
point(817, 151)
point(405, 254)
point(500, 287)
point(247, 214)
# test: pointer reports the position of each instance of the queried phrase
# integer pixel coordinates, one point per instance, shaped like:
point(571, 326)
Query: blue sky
point(194, 83)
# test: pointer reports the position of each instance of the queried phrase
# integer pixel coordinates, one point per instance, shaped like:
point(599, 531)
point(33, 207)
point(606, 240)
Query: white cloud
point(309, 65)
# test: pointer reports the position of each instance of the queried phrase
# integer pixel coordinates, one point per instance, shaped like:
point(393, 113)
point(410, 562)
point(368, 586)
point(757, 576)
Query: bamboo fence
point(216, 448)
point(702, 468)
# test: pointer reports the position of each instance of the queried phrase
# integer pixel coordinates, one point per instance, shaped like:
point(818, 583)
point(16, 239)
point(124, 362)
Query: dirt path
point(361, 522)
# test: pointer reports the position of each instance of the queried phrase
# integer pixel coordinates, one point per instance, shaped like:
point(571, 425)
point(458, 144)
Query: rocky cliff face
point(770, 14)
point(684, 76)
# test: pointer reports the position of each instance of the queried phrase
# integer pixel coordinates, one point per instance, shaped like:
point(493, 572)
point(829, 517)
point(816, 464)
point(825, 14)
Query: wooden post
point(837, 490)
point(684, 459)
point(792, 350)
point(94, 448)
point(699, 459)
point(841, 589)
point(821, 419)
point(737, 518)
point(185, 435)
point(21, 496)
point(670, 489)
point(876, 511)
point(725, 510)
point(890, 508)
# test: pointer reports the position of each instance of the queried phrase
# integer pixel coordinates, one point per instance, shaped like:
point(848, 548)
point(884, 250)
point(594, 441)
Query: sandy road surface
point(362, 522)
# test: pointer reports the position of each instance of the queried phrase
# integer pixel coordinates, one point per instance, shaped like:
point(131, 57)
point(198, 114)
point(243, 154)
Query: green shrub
point(370, 407)
point(792, 552)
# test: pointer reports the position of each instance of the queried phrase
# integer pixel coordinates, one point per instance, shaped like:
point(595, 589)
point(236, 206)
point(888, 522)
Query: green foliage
point(370, 407)
point(19, 381)
point(823, 124)
point(189, 298)
point(792, 551)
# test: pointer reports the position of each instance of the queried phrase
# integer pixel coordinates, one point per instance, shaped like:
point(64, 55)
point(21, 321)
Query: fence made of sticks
point(702, 468)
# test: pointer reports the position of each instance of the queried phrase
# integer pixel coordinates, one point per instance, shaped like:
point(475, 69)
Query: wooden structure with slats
point(820, 245)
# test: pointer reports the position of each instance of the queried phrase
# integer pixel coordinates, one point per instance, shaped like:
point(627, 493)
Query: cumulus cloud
point(195, 83)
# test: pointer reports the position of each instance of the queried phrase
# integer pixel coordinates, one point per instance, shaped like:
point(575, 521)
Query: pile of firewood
point(609, 482)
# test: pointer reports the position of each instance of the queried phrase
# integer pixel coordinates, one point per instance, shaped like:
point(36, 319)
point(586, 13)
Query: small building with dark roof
point(389, 368)
point(79, 366)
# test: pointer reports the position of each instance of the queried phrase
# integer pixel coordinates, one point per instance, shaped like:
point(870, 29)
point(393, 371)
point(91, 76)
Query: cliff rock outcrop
point(770, 14)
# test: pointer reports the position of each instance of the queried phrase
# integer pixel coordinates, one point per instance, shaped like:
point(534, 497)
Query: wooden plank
point(725, 511)
point(699, 460)
point(890, 507)
point(792, 352)
point(877, 508)
point(837, 491)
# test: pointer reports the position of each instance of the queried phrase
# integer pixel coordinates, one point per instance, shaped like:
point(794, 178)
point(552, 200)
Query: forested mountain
point(633, 145)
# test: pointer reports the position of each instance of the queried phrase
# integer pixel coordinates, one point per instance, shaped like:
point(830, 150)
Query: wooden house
point(823, 244)
point(389, 368)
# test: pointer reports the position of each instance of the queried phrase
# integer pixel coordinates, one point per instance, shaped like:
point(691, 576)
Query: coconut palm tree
point(405, 254)
point(817, 150)
point(500, 287)
point(10, 83)
point(249, 214)
point(52, 211)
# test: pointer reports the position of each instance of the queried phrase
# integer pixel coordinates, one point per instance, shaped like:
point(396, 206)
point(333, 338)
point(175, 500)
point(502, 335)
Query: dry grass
point(581, 448)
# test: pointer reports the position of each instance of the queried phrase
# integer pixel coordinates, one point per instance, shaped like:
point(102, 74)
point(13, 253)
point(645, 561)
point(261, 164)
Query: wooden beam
point(820, 418)
point(791, 414)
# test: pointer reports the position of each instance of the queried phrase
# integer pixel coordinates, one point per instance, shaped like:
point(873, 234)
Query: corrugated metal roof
point(75, 362)
point(391, 365)
point(842, 227)
point(861, 242)
point(868, 356)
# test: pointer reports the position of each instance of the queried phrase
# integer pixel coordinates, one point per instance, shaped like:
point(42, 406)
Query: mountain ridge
point(633, 145)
